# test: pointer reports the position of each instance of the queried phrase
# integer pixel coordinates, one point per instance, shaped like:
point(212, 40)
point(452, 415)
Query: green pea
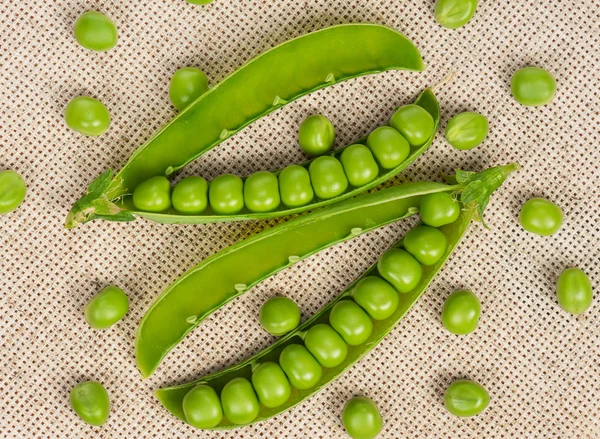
point(316, 135)
point(279, 315)
point(295, 186)
point(541, 217)
point(190, 195)
point(351, 322)
point(239, 401)
point(426, 244)
point(438, 209)
point(261, 192)
point(389, 147)
point(461, 311)
point(187, 85)
point(326, 345)
point(414, 123)
point(574, 291)
point(106, 308)
point(95, 31)
point(87, 116)
point(90, 402)
point(271, 384)
point(376, 296)
point(12, 191)
point(533, 86)
point(466, 130)
point(453, 14)
point(301, 368)
point(202, 407)
point(361, 418)
point(153, 195)
point(226, 194)
point(359, 165)
point(400, 269)
point(328, 178)
point(466, 398)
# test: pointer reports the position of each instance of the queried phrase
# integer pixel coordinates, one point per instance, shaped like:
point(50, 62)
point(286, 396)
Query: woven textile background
point(540, 364)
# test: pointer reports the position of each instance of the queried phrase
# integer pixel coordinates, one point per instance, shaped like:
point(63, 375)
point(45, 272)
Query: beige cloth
point(540, 364)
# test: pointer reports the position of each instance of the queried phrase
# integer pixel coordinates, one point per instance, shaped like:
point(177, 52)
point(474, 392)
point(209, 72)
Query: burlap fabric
point(540, 364)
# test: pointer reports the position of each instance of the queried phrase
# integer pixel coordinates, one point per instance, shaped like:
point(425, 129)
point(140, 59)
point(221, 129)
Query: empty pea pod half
point(280, 75)
point(347, 329)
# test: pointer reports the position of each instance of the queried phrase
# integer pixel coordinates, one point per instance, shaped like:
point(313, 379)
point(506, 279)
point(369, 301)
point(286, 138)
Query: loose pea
point(271, 384)
point(187, 85)
point(202, 407)
point(12, 191)
point(153, 195)
point(239, 401)
point(261, 192)
point(426, 244)
point(541, 217)
point(106, 308)
point(95, 31)
point(316, 135)
point(466, 398)
point(328, 178)
point(400, 269)
point(414, 123)
point(190, 195)
point(389, 147)
point(466, 130)
point(574, 291)
point(226, 194)
point(295, 187)
point(301, 368)
point(87, 116)
point(439, 209)
point(361, 418)
point(453, 14)
point(461, 311)
point(533, 86)
point(90, 401)
point(376, 296)
point(351, 322)
point(279, 315)
point(326, 345)
point(359, 165)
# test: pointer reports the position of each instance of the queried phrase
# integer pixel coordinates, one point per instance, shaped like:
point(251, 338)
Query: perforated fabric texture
point(540, 364)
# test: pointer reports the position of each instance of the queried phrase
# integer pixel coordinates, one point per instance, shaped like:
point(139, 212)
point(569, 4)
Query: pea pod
point(281, 75)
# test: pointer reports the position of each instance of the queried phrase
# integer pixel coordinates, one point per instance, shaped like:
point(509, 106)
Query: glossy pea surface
point(400, 269)
point(466, 398)
point(351, 322)
point(190, 195)
point(541, 216)
point(414, 123)
point(533, 86)
point(453, 14)
point(271, 384)
point(361, 418)
point(426, 244)
point(187, 85)
point(328, 177)
point(460, 312)
point(467, 130)
point(326, 345)
point(12, 191)
point(316, 135)
point(153, 195)
point(438, 209)
point(202, 407)
point(574, 291)
point(226, 194)
point(301, 368)
point(261, 192)
point(359, 165)
point(295, 187)
point(239, 401)
point(87, 116)
point(279, 315)
point(376, 296)
point(106, 308)
point(95, 31)
point(91, 403)
point(388, 146)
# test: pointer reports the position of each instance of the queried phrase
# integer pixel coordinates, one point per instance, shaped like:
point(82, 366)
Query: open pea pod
point(281, 75)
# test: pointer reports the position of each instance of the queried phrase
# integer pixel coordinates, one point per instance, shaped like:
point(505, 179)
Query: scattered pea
point(295, 187)
point(106, 308)
point(328, 178)
point(541, 217)
point(359, 165)
point(361, 418)
point(261, 192)
point(533, 86)
point(202, 407)
point(316, 135)
point(326, 345)
point(87, 116)
point(226, 194)
point(95, 31)
point(271, 384)
point(461, 311)
point(401, 269)
point(187, 85)
point(388, 146)
point(190, 195)
point(414, 123)
point(465, 398)
point(12, 191)
point(351, 322)
point(279, 315)
point(574, 291)
point(467, 130)
point(376, 296)
point(301, 368)
point(426, 244)
point(153, 195)
point(439, 209)
point(91, 403)
point(453, 14)
point(239, 401)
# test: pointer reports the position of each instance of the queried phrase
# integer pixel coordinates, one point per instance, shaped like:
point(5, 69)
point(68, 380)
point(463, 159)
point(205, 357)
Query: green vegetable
point(467, 130)
point(376, 296)
point(153, 195)
point(12, 191)
point(190, 196)
point(303, 370)
point(106, 308)
point(226, 194)
point(533, 86)
point(187, 85)
point(541, 217)
point(87, 116)
point(400, 269)
point(261, 192)
point(361, 418)
point(95, 31)
point(295, 187)
point(327, 177)
point(240, 404)
point(439, 209)
point(202, 407)
point(388, 146)
point(90, 402)
point(574, 291)
point(359, 165)
point(461, 311)
point(326, 345)
point(271, 384)
point(316, 135)
point(414, 123)
point(426, 244)
point(351, 322)
point(453, 14)
point(466, 398)
point(279, 315)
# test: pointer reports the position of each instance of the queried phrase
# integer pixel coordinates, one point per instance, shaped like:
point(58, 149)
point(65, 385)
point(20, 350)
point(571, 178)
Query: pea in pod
point(281, 75)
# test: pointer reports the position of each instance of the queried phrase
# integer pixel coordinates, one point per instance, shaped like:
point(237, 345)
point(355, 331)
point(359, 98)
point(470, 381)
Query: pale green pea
point(239, 401)
point(359, 165)
point(90, 401)
point(95, 31)
point(327, 177)
point(426, 244)
point(301, 368)
point(326, 345)
point(106, 308)
point(279, 315)
point(414, 123)
point(376, 296)
point(361, 418)
point(202, 407)
point(389, 147)
point(466, 398)
point(271, 384)
point(401, 269)
point(226, 194)
point(87, 116)
point(190, 195)
point(351, 322)
point(574, 291)
point(316, 135)
point(466, 130)
point(438, 209)
point(453, 14)
point(261, 192)
point(12, 191)
point(461, 311)
point(187, 85)
point(153, 195)
point(533, 86)
point(295, 187)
